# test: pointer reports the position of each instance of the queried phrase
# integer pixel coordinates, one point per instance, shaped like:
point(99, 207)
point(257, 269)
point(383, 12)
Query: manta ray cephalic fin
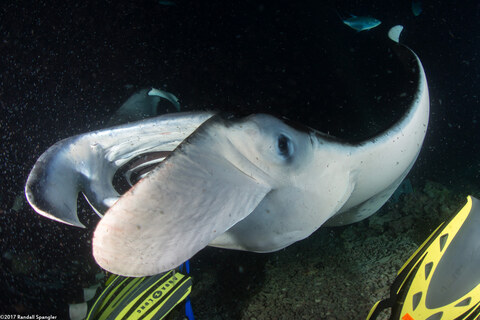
point(192, 197)
point(87, 163)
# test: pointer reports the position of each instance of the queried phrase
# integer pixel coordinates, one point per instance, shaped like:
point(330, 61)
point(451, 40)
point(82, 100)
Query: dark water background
point(66, 66)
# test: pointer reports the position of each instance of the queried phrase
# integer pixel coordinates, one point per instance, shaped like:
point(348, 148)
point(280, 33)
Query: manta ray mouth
point(137, 168)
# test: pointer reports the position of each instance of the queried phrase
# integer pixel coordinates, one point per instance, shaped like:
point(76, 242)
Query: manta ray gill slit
point(134, 170)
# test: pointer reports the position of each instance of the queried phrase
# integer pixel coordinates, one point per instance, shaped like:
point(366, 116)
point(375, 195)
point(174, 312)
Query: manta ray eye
point(284, 146)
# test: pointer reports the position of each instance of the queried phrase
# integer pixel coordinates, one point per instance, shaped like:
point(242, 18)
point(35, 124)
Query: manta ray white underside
point(253, 183)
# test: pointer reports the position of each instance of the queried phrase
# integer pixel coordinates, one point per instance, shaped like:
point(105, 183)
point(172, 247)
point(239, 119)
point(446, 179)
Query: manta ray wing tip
point(394, 33)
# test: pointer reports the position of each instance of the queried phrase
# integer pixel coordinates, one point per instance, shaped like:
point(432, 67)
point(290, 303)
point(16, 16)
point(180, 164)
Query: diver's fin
point(141, 298)
point(441, 280)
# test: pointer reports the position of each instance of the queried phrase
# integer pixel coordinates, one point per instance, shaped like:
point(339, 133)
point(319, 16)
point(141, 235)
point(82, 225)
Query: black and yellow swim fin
point(441, 280)
point(149, 298)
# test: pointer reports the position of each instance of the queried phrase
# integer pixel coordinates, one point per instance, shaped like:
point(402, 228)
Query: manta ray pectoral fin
point(143, 104)
point(194, 195)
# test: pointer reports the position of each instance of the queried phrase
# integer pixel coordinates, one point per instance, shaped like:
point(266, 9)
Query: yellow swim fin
point(441, 280)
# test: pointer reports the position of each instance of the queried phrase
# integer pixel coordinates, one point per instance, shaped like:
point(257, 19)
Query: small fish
point(416, 7)
point(166, 3)
point(361, 23)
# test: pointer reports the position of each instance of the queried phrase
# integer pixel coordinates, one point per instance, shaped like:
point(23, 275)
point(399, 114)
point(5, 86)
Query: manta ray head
point(215, 178)
point(274, 148)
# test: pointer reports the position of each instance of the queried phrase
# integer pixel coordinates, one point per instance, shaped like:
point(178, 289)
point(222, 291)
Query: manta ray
point(256, 183)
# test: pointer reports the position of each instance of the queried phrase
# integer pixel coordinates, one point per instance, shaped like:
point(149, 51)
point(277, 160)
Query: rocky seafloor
point(337, 273)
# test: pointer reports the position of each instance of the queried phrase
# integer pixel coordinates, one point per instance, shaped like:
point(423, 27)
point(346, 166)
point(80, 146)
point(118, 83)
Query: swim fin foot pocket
point(441, 280)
